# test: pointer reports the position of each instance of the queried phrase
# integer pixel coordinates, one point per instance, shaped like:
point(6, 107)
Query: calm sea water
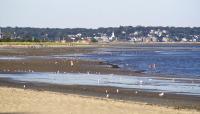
point(173, 61)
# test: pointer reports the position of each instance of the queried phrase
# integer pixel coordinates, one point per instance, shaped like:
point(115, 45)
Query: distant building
point(63, 41)
point(78, 35)
point(103, 38)
point(136, 39)
point(73, 39)
point(112, 36)
point(154, 39)
point(85, 40)
point(166, 39)
point(184, 40)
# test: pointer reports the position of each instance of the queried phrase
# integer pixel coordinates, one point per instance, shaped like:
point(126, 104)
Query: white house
point(184, 40)
point(112, 36)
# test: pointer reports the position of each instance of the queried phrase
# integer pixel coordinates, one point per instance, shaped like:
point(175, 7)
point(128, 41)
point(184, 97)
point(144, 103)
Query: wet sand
point(61, 66)
point(45, 64)
point(42, 51)
point(28, 101)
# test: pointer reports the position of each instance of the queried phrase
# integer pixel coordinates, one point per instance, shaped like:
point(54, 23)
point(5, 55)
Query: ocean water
point(165, 61)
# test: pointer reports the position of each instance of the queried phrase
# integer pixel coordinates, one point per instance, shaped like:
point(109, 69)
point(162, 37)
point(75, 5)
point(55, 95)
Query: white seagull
point(117, 90)
point(161, 94)
point(24, 86)
point(107, 95)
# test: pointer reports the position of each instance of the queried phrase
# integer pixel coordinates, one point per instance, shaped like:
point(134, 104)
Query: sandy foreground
point(13, 100)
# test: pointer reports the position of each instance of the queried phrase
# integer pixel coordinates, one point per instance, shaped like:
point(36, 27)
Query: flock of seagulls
point(29, 71)
point(161, 94)
point(136, 92)
point(107, 94)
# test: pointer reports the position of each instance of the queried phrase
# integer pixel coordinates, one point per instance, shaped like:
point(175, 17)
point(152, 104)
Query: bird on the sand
point(24, 86)
point(117, 90)
point(106, 91)
point(71, 63)
point(107, 95)
point(161, 94)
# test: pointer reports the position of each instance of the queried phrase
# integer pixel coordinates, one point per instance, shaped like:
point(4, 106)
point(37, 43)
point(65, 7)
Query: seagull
point(117, 90)
point(136, 92)
point(88, 72)
point(107, 95)
point(161, 94)
point(141, 81)
point(24, 86)
point(71, 63)
point(106, 91)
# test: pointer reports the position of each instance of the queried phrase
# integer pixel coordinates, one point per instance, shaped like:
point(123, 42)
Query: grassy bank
point(43, 44)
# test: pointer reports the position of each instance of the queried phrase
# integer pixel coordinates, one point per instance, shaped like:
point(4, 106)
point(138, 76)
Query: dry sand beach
point(49, 98)
point(27, 101)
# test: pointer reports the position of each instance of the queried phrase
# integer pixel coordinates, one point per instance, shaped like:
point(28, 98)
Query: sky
point(99, 13)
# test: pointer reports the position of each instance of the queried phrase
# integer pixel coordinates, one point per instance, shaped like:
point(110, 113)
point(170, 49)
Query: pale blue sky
point(99, 13)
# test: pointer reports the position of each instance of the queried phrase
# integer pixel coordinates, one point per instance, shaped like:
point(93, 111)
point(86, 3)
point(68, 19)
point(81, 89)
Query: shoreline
point(175, 101)
point(77, 44)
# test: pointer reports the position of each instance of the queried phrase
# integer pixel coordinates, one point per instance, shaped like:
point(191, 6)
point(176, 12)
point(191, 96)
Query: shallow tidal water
point(153, 84)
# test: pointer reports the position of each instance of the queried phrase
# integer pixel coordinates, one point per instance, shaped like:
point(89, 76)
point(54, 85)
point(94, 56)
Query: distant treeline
point(122, 32)
point(20, 40)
